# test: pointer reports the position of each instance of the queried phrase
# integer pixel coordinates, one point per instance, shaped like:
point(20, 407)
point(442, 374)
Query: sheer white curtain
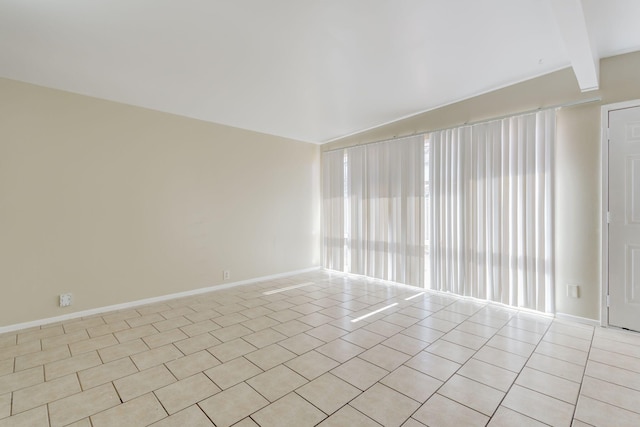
point(333, 209)
point(385, 191)
point(491, 211)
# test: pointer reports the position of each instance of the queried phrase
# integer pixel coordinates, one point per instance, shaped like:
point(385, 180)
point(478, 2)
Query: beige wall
point(577, 184)
point(115, 203)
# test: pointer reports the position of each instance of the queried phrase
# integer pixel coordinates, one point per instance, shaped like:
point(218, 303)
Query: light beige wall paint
point(115, 203)
point(577, 185)
point(577, 210)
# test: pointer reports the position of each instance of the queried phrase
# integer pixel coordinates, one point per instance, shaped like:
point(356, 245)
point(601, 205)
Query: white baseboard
point(137, 303)
point(578, 319)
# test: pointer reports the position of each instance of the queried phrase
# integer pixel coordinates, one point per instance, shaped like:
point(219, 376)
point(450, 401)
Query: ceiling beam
point(573, 27)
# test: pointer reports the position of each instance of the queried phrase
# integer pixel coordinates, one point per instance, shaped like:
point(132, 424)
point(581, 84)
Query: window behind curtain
point(471, 206)
point(383, 210)
point(491, 207)
point(333, 185)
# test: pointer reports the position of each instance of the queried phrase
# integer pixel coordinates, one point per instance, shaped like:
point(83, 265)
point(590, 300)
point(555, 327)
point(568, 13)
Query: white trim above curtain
point(491, 211)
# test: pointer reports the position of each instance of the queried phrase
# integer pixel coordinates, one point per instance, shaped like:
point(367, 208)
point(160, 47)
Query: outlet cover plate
point(65, 300)
point(573, 291)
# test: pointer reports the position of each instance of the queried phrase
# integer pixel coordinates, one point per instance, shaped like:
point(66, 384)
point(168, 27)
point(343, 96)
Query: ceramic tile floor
point(249, 356)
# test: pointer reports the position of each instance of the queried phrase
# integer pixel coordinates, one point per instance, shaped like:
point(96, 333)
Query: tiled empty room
point(323, 213)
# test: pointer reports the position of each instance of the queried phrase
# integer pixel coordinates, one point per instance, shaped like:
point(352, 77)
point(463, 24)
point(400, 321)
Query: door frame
point(604, 224)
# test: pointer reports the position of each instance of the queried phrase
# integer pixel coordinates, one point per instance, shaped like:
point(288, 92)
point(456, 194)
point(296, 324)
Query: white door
point(624, 210)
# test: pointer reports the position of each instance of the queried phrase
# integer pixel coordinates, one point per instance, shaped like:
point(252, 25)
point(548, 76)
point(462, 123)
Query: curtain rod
point(536, 110)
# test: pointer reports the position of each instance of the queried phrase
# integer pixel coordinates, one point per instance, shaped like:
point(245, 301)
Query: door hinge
point(607, 133)
point(608, 217)
point(608, 300)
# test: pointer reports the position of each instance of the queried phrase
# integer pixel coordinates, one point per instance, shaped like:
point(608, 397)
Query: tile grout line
point(544, 394)
point(518, 373)
point(584, 372)
point(461, 366)
point(389, 373)
point(329, 372)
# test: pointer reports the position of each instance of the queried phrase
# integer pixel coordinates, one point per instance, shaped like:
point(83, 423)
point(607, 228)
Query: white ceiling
point(312, 70)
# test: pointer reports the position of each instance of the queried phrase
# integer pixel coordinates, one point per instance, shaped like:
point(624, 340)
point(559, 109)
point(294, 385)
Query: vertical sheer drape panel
point(491, 211)
point(383, 215)
point(333, 185)
point(386, 215)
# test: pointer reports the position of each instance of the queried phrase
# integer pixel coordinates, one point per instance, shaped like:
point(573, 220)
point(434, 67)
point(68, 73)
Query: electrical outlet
point(226, 274)
point(65, 300)
point(573, 291)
